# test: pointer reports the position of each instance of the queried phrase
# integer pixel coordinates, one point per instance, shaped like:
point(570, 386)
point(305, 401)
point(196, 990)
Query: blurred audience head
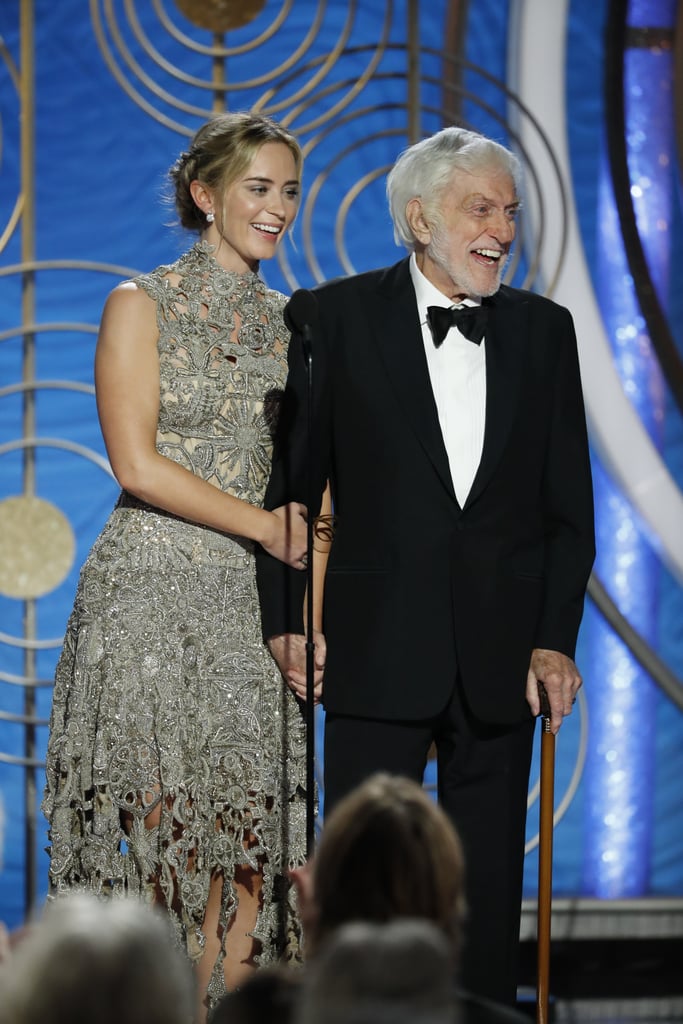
point(387, 850)
point(266, 997)
point(97, 961)
point(371, 973)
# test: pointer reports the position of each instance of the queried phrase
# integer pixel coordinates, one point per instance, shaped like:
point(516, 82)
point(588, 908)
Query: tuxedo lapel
point(506, 340)
point(395, 329)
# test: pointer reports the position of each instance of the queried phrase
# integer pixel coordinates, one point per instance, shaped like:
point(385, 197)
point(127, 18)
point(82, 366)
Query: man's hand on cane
point(561, 679)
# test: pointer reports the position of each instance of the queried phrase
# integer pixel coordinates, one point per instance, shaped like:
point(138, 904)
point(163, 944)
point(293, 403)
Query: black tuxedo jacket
point(417, 587)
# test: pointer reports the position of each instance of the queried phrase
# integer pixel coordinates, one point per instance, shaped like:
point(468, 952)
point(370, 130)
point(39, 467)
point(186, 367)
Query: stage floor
point(617, 962)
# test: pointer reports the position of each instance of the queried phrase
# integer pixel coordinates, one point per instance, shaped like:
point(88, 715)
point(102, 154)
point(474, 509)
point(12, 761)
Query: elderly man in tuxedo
point(448, 418)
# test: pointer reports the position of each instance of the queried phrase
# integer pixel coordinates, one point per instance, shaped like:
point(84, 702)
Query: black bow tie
point(470, 321)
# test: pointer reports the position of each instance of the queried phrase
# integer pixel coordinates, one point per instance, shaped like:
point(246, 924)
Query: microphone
point(301, 316)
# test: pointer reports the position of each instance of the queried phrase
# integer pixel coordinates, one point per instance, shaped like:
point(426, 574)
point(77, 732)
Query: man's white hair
point(425, 169)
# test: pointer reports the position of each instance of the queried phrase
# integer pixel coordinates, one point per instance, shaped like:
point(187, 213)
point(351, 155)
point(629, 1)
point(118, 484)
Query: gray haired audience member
point(369, 973)
point(95, 961)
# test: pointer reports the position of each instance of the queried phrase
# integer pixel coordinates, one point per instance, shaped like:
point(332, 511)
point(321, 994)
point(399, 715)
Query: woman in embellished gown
point(176, 754)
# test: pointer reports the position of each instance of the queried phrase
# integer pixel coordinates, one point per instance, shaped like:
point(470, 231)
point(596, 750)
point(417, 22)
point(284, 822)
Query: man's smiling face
point(472, 227)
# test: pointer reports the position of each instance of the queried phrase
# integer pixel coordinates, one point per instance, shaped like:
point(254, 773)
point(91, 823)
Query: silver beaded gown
point(165, 694)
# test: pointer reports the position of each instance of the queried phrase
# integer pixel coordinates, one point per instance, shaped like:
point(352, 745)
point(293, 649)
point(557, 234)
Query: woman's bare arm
point(127, 387)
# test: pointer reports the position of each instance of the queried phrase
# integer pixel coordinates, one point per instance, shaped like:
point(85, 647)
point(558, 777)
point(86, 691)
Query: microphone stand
point(310, 643)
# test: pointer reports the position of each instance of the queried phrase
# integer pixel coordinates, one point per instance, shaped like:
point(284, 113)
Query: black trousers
point(483, 778)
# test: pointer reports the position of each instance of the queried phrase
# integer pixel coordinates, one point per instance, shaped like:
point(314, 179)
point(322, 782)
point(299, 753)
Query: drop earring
point(210, 217)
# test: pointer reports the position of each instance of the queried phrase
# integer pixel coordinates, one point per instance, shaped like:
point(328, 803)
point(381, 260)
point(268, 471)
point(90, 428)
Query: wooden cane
point(545, 859)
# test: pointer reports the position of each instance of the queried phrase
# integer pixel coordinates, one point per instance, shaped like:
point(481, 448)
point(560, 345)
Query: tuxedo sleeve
point(299, 473)
point(567, 496)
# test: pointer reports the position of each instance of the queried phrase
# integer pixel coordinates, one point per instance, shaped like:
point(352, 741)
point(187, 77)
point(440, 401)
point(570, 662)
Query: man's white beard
point(462, 279)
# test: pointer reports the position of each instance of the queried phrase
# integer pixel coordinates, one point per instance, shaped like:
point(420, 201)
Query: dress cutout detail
point(165, 695)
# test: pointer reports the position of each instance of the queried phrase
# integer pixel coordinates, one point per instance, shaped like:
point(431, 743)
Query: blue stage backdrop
point(119, 87)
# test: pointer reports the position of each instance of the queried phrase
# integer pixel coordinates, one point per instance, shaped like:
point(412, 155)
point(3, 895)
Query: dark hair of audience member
point(387, 850)
point(268, 995)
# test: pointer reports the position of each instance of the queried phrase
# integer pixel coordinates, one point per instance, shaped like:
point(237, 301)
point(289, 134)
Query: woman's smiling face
point(256, 210)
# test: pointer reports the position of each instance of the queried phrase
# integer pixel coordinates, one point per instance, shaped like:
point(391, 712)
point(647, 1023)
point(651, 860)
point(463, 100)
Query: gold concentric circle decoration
point(371, 136)
point(220, 15)
point(9, 70)
point(37, 540)
point(158, 56)
point(37, 547)
point(317, 77)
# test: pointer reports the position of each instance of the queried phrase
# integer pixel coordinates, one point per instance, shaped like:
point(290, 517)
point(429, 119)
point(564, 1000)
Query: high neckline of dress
point(207, 254)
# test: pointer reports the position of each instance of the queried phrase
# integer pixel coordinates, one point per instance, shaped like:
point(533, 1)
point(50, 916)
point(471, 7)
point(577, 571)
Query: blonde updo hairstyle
point(221, 151)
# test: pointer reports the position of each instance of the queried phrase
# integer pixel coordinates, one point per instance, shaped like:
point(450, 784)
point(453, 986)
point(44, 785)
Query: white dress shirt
point(457, 370)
